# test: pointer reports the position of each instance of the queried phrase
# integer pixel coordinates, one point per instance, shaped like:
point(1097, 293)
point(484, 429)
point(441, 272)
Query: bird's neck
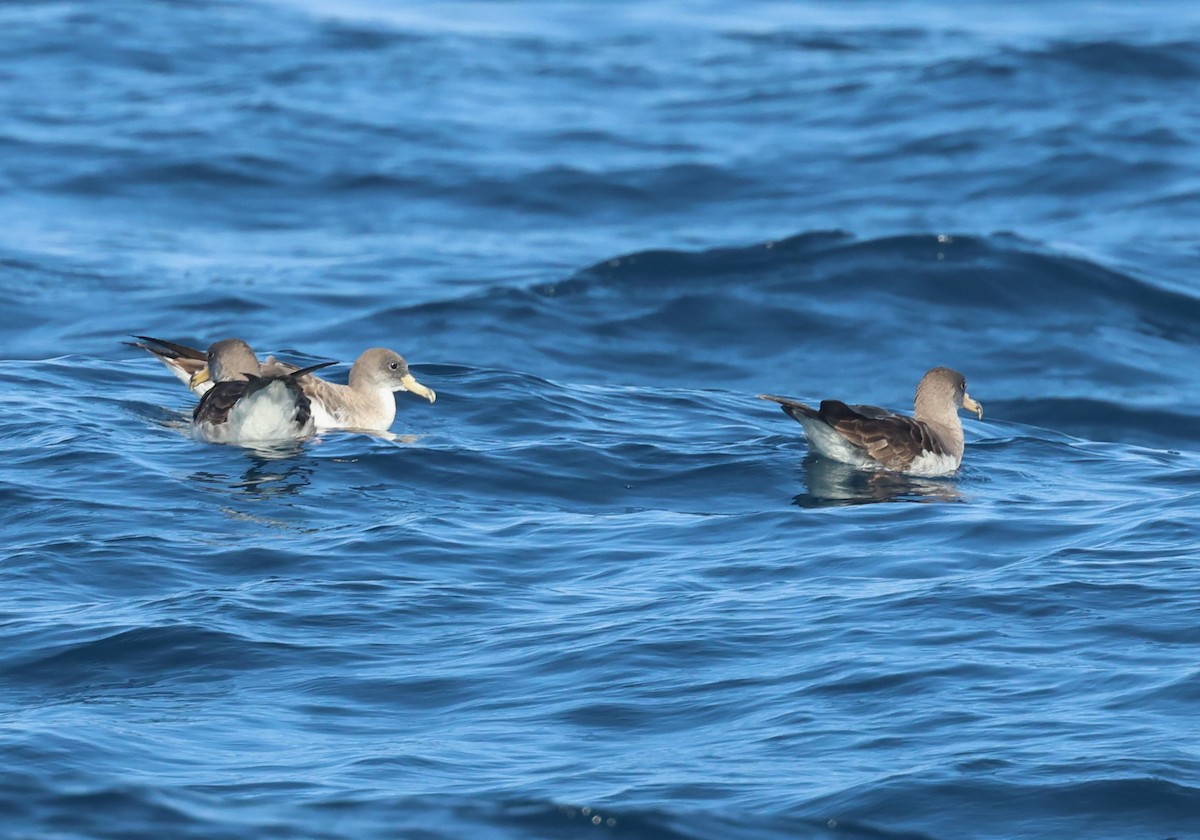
point(358, 379)
point(944, 418)
point(379, 398)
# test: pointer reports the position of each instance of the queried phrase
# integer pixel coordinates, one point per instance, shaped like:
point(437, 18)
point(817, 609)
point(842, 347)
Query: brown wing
point(872, 411)
point(214, 406)
point(274, 367)
point(891, 439)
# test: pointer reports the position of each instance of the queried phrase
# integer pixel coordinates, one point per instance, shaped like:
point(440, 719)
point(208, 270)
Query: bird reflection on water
point(832, 484)
point(275, 471)
point(285, 468)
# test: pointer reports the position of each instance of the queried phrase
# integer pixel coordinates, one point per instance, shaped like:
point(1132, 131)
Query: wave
point(1171, 61)
point(1062, 341)
point(245, 812)
point(241, 172)
point(561, 191)
point(1113, 805)
point(1132, 806)
point(1097, 419)
point(861, 39)
point(138, 655)
point(1000, 272)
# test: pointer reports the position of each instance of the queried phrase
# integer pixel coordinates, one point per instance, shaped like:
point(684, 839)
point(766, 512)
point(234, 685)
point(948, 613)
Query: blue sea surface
point(598, 589)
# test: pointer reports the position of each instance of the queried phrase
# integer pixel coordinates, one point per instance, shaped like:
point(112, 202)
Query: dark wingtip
point(783, 401)
point(180, 350)
point(296, 374)
point(792, 408)
point(259, 380)
point(143, 341)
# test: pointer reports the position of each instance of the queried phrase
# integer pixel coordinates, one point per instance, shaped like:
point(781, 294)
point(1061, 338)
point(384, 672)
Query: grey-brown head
point(380, 368)
point(229, 360)
point(943, 391)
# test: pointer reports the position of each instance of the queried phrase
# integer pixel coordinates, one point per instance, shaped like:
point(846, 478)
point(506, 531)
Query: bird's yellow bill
point(411, 384)
point(200, 377)
point(970, 405)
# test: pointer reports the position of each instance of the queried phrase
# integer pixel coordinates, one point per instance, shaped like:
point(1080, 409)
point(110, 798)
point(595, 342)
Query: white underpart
point(832, 445)
point(267, 414)
point(355, 409)
point(322, 418)
point(930, 464)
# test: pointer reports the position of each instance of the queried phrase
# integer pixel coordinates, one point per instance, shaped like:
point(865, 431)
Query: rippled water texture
point(597, 588)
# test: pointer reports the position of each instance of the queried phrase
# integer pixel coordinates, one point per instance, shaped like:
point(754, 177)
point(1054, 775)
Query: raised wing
point(214, 407)
point(183, 361)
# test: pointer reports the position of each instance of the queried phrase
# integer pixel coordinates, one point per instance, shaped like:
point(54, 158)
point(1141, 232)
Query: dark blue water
point(598, 589)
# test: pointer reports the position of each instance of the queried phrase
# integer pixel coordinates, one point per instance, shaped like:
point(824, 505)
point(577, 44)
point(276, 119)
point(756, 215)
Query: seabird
point(244, 405)
point(366, 403)
point(930, 443)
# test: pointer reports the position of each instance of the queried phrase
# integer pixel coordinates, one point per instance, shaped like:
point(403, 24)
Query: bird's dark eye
point(393, 366)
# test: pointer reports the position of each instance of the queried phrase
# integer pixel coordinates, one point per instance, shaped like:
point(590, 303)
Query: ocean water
point(598, 589)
